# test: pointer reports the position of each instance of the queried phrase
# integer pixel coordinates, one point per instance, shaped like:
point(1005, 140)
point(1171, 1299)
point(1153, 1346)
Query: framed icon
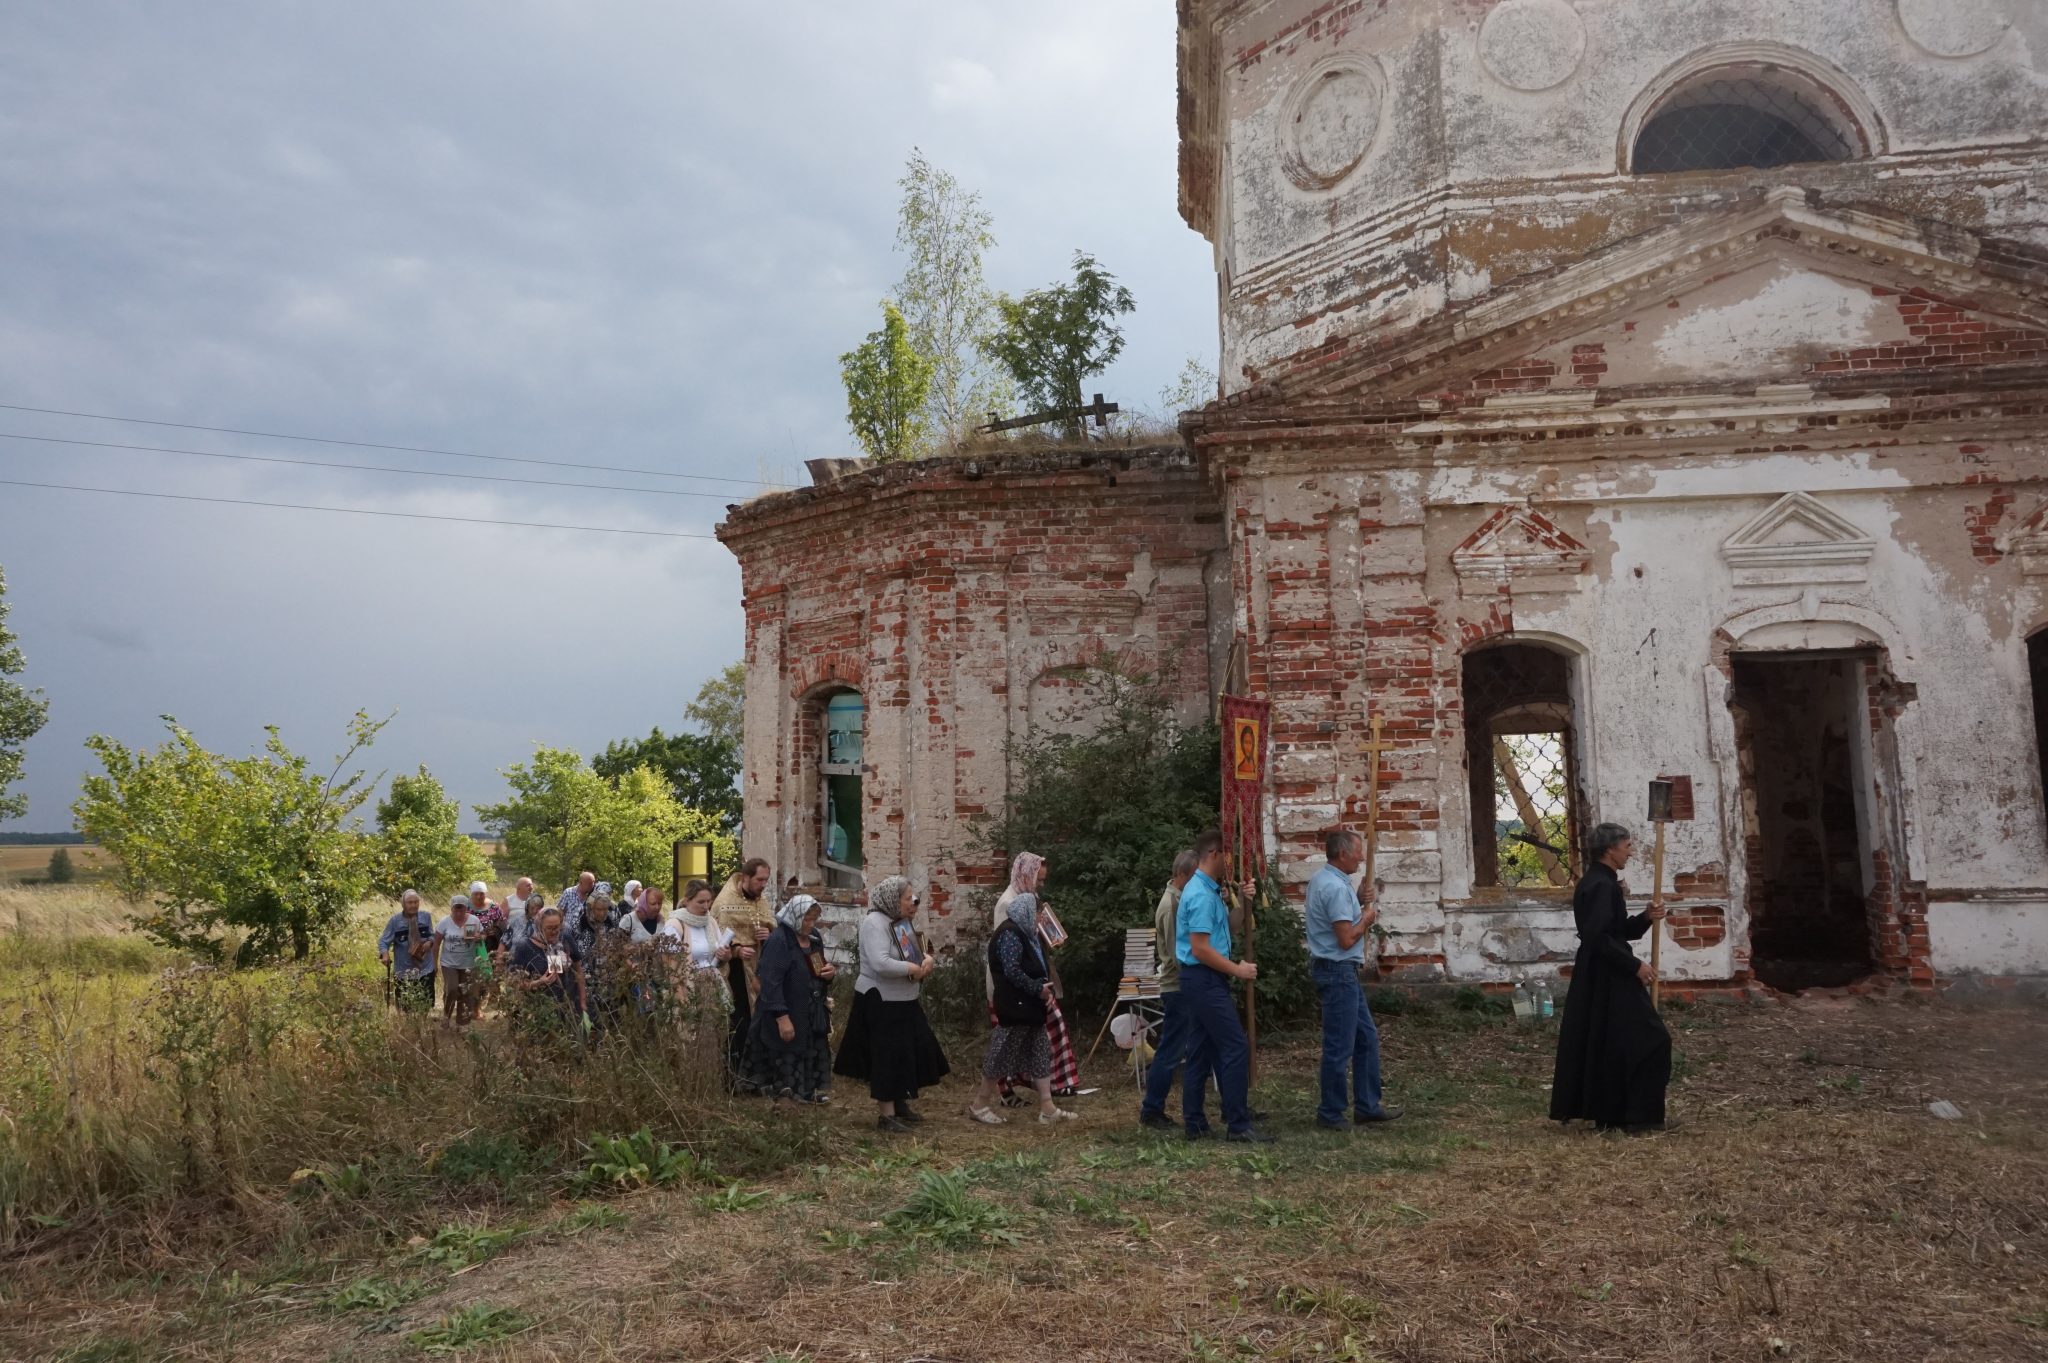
point(1244, 748)
point(1050, 928)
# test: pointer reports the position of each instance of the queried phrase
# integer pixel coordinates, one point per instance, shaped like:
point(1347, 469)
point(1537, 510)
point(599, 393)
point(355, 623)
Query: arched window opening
point(1519, 756)
point(843, 721)
point(1737, 118)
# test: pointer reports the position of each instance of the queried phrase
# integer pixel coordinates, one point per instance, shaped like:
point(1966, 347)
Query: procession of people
point(752, 980)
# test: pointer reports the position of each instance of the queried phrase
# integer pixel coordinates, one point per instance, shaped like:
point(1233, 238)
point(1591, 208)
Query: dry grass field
point(1809, 1208)
point(30, 861)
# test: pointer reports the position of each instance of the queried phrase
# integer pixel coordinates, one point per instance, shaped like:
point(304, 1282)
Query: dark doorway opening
point(1519, 742)
point(1800, 719)
point(2037, 671)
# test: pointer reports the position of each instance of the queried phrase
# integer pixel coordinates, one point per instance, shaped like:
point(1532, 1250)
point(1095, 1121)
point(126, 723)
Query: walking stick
point(1661, 793)
point(1251, 988)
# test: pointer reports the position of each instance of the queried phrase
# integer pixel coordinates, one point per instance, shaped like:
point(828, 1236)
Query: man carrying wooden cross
point(1337, 925)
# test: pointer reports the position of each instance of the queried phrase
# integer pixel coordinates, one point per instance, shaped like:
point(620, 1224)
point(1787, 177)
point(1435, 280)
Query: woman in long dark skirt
point(888, 1039)
point(1613, 1051)
point(789, 1051)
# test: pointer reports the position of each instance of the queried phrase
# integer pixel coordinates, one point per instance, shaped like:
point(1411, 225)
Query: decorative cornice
point(1831, 548)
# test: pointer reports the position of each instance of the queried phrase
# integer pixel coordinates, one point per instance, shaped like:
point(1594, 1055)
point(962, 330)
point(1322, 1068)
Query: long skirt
point(799, 1069)
point(1066, 1067)
point(1024, 1054)
point(890, 1044)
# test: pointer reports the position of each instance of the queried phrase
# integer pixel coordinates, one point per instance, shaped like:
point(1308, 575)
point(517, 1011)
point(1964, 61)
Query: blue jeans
point(1171, 1053)
point(1348, 1035)
point(1219, 1047)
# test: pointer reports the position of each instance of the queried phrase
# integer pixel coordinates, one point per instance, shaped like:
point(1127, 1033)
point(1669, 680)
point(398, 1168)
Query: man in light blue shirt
point(1201, 943)
point(1337, 926)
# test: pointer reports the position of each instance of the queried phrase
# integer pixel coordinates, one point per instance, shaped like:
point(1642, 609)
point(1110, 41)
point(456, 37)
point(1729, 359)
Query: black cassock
point(1613, 1052)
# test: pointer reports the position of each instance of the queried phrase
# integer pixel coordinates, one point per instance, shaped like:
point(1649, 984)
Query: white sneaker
point(1057, 1115)
point(985, 1117)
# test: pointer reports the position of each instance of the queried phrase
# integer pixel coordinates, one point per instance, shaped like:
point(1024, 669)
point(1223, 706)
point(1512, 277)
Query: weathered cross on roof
point(1098, 409)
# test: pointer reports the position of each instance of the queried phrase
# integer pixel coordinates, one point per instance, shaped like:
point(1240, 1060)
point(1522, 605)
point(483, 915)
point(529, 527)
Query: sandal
point(1056, 1116)
point(985, 1117)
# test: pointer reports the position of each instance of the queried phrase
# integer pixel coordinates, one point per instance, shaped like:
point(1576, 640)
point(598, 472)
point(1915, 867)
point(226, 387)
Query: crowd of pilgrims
point(749, 976)
point(750, 981)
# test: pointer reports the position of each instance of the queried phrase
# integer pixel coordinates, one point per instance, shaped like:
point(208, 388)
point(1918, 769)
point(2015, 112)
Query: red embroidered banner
point(1244, 782)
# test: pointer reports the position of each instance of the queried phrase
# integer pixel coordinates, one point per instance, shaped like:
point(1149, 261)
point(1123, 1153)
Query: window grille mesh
point(1518, 710)
point(1733, 122)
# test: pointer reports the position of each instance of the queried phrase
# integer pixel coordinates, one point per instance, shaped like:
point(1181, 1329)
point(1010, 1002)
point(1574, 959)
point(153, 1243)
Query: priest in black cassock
point(1613, 1052)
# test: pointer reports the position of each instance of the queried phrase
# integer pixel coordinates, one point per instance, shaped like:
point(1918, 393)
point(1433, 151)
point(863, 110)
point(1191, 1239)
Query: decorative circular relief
point(1953, 28)
point(1532, 44)
point(1331, 120)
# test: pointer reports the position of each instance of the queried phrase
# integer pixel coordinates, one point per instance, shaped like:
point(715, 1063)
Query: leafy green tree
point(719, 709)
point(1109, 803)
point(22, 713)
point(563, 818)
point(944, 297)
point(1052, 340)
point(1192, 388)
point(263, 846)
point(887, 382)
point(61, 871)
point(700, 769)
point(420, 842)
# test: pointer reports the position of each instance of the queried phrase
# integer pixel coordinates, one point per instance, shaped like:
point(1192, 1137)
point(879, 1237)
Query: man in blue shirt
point(408, 947)
point(1202, 946)
point(1336, 948)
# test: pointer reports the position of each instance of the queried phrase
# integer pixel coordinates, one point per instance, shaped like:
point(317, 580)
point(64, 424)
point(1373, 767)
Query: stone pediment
point(1795, 540)
point(1523, 548)
point(1777, 290)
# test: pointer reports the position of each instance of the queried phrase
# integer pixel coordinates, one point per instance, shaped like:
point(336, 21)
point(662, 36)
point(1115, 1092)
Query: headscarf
point(1024, 872)
point(477, 887)
point(633, 893)
point(1023, 914)
point(791, 914)
point(888, 896)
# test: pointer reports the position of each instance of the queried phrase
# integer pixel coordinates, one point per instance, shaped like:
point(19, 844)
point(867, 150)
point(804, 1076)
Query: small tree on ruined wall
point(1109, 805)
point(22, 713)
point(1052, 340)
point(887, 382)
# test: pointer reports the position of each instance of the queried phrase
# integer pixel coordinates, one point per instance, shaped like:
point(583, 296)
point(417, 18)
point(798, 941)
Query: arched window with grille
point(1521, 740)
point(1744, 115)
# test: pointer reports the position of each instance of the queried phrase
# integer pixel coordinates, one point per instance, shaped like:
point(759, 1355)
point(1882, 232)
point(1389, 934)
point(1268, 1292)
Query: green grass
point(378, 1294)
point(478, 1323)
point(944, 1211)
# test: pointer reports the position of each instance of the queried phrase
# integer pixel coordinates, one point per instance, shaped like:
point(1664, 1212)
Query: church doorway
point(1802, 728)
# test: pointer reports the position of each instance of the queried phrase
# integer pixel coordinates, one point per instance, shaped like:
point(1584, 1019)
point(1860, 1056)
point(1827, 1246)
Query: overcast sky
point(634, 234)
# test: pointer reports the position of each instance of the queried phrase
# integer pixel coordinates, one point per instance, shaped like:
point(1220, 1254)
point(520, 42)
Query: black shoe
point(1339, 1125)
point(1251, 1135)
point(1198, 1133)
point(1156, 1121)
point(895, 1126)
point(1385, 1114)
point(1649, 1128)
point(1065, 1093)
point(904, 1113)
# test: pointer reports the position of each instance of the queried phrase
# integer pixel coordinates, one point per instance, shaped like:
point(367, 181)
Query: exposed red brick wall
point(1698, 926)
point(1942, 335)
point(946, 592)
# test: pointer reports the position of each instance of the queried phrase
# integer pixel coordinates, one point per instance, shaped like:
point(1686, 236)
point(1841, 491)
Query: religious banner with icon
point(1244, 781)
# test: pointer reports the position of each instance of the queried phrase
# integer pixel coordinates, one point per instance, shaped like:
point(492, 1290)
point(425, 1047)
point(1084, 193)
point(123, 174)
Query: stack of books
point(1141, 965)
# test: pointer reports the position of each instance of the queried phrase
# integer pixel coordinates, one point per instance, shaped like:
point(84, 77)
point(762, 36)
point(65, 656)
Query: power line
point(364, 468)
point(373, 445)
point(356, 510)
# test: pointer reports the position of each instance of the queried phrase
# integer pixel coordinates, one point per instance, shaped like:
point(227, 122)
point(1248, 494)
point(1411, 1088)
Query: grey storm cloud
point(630, 234)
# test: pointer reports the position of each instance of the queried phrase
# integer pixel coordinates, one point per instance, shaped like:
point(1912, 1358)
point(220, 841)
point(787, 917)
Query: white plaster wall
point(1468, 183)
point(1989, 936)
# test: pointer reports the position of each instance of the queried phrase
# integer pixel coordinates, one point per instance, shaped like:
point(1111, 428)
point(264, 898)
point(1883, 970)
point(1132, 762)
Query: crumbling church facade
point(1611, 391)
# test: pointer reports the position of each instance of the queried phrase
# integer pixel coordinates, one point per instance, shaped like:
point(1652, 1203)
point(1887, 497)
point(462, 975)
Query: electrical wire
point(364, 468)
point(373, 445)
point(357, 510)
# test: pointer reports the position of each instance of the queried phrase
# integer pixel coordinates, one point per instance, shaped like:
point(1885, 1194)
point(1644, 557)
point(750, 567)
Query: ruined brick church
point(1610, 390)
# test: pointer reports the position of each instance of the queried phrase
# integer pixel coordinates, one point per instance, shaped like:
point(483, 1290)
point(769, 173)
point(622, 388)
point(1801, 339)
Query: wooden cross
point(1372, 748)
point(1100, 410)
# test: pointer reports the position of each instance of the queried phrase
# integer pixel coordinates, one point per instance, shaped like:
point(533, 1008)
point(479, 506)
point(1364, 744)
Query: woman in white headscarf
point(1027, 876)
point(789, 1052)
point(888, 1039)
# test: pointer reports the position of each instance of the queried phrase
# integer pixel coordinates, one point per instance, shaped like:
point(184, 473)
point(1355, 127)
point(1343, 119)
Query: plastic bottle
point(1525, 1004)
point(1546, 1003)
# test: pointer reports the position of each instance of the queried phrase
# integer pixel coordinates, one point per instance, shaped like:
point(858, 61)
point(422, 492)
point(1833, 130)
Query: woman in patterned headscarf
point(1023, 993)
point(1027, 876)
point(888, 1039)
point(789, 1053)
